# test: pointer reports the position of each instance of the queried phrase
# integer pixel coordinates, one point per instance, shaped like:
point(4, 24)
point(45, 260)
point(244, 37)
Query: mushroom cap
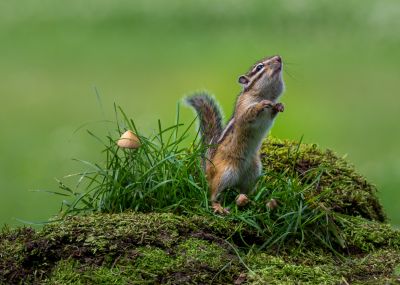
point(128, 140)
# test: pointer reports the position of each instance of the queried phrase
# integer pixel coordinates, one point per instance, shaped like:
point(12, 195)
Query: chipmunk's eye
point(259, 67)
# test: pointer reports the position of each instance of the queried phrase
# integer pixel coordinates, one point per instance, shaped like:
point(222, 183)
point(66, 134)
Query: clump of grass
point(165, 175)
point(161, 175)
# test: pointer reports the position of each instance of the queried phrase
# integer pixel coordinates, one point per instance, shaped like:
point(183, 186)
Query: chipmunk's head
point(264, 78)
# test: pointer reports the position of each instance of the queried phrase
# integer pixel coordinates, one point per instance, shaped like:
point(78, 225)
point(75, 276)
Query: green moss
point(72, 272)
point(199, 261)
point(152, 246)
point(197, 250)
point(65, 272)
point(330, 178)
point(378, 265)
point(267, 269)
point(193, 260)
point(396, 272)
point(367, 235)
point(116, 275)
point(13, 254)
point(169, 249)
point(93, 232)
point(153, 261)
point(319, 267)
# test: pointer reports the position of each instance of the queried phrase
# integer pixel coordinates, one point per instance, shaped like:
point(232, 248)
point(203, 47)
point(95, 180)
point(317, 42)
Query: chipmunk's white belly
point(259, 130)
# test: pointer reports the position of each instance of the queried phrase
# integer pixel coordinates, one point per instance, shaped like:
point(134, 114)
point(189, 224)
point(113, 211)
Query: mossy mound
point(327, 229)
point(339, 187)
point(122, 247)
point(134, 248)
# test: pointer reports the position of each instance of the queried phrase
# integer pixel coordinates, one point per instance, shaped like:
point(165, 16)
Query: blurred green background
point(342, 72)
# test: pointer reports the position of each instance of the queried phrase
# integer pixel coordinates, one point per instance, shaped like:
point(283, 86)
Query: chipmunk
point(232, 158)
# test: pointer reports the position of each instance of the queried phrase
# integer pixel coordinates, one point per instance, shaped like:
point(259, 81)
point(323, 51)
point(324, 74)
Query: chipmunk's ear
point(243, 80)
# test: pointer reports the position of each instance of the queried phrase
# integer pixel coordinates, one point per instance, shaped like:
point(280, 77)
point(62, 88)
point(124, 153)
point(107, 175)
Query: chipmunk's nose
point(277, 58)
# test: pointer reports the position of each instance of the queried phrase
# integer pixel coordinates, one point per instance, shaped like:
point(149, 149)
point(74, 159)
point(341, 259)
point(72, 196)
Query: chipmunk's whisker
point(289, 74)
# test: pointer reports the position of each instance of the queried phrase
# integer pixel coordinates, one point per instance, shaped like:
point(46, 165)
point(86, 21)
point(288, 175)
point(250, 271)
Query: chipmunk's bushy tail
point(210, 116)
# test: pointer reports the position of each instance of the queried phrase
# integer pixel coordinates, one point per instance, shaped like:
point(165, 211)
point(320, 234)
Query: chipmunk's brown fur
point(233, 159)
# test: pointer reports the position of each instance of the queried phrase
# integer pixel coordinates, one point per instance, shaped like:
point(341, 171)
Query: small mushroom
point(242, 200)
point(128, 140)
point(272, 204)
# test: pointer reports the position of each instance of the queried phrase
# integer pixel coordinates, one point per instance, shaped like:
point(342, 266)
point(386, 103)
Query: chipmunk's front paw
point(264, 104)
point(278, 107)
point(218, 209)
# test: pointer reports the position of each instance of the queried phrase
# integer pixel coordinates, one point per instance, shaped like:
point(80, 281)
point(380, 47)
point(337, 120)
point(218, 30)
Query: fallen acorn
point(242, 200)
point(272, 204)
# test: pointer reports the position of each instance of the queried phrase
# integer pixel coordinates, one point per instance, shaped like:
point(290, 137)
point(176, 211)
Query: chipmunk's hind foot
point(218, 209)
